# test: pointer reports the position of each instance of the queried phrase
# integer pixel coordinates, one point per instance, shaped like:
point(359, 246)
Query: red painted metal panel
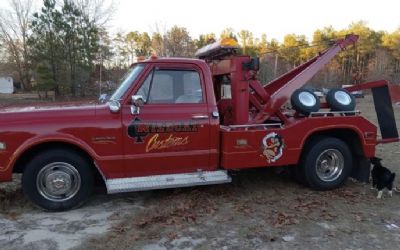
point(253, 148)
point(240, 91)
point(172, 140)
point(84, 126)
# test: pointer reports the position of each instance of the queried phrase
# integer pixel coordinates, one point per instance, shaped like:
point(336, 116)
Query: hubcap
point(58, 181)
point(342, 97)
point(329, 165)
point(307, 99)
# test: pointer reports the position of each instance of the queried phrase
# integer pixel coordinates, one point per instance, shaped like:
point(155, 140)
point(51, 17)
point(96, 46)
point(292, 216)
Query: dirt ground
point(260, 209)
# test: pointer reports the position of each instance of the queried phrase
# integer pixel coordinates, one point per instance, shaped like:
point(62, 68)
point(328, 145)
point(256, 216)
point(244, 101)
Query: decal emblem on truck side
point(272, 147)
point(155, 143)
point(139, 130)
point(133, 131)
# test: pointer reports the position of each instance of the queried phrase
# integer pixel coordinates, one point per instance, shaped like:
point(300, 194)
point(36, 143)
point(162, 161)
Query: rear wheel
point(326, 163)
point(298, 174)
point(58, 180)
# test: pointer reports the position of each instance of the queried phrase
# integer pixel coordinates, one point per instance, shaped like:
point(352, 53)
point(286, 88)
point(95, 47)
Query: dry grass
point(12, 197)
point(258, 204)
point(172, 210)
point(9, 198)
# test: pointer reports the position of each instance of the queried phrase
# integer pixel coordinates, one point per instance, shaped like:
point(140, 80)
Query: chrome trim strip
point(199, 117)
point(247, 126)
point(120, 185)
point(256, 125)
point(322, 113)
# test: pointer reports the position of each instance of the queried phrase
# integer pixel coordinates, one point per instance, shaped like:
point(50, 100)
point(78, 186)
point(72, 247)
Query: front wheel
point(326, 163)
point(58, 180)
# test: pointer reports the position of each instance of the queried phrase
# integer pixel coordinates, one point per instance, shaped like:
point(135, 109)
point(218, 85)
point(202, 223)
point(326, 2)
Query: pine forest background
point(64, 47)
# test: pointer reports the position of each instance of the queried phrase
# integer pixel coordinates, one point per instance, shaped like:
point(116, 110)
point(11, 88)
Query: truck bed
point(261, 145)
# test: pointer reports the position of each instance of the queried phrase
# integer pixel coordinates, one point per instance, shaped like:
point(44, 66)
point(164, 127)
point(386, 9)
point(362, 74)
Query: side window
point(192, 92)
point(144, 89)
point(162, 87)
point(172, 86)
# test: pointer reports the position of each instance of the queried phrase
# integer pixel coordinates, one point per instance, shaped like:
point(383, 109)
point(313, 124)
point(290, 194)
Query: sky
point(275, 18)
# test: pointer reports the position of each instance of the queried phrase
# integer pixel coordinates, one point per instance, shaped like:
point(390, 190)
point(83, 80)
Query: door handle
point(199, 117)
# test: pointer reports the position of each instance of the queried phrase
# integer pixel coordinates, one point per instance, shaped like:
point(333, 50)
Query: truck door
point(171, 133)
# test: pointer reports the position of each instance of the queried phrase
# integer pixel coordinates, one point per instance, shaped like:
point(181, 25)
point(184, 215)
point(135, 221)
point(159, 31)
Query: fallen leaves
point(185, 207)
point(12, 215)
point(11, 198)
point(327, 215)
point(358, 218)
point(284, 219)
point(307, 206)
point(243, 208)
point(120, 228)
point(172, 236)
point(350, 195)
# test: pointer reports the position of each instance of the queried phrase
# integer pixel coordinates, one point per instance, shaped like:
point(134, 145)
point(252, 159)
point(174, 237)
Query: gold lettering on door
point(155, 143)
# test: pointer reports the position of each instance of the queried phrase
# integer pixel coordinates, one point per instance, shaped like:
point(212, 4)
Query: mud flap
point(384, 112)
point(361, 169)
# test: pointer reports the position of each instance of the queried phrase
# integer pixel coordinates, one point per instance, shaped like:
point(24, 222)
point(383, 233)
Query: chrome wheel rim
point(329, 165)
point(342, 97)
point(307, 99)
point(58, 181)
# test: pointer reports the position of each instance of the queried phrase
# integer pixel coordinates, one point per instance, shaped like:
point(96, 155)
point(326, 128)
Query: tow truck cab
point(174, 126)
point(180, 119)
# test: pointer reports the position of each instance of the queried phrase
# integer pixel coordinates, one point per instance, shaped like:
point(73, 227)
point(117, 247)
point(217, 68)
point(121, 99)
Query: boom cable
point(314, 44)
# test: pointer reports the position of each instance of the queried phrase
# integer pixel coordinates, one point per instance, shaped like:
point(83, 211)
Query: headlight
point(3, 146)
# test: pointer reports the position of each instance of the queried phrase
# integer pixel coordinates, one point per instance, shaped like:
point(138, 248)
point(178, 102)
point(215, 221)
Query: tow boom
point(281, 89)
point(247, 92)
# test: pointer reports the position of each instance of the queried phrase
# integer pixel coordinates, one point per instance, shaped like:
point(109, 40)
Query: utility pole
point(101, 66)
point(101, 63)
point(276, 65)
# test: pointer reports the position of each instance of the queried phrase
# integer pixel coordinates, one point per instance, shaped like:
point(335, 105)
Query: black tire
point(65, 167)
point(325, 150)
point(297, 174)
point(300, 106)
point(298, 171)
point(347, 103)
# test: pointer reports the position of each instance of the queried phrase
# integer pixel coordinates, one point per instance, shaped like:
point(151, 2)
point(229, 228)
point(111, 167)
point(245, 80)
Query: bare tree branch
point(100, 12)
point(14, 32)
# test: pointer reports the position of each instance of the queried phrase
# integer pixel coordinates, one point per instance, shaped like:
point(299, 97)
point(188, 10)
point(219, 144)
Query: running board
point(166, 181)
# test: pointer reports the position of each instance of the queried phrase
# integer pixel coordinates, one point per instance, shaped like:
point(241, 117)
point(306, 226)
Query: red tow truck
point(176, 122)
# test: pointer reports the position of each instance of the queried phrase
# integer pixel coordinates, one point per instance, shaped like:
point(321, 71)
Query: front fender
point(7, 168)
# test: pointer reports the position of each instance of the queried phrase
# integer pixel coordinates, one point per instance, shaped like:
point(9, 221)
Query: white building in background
point(6, 85)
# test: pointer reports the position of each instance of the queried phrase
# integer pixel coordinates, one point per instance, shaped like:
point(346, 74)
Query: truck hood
point(51, 112)
point(46, 107)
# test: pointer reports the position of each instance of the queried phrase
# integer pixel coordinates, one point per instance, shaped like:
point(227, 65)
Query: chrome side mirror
point(114, 106)
point(137, 102)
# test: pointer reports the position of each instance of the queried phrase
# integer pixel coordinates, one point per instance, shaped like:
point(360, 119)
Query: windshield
point(127, 81)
